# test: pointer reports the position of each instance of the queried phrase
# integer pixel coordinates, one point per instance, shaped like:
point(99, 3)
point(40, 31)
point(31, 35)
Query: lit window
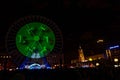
point(6, 56)
point(9, 56)
point(3, 56)
point(99, 57)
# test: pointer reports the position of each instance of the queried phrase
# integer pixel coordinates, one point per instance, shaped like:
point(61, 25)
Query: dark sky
point(82, 22)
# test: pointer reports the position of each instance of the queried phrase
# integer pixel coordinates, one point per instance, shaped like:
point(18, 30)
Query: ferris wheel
point(33, 37)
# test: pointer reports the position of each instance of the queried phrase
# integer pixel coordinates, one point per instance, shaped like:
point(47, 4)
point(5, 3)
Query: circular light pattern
point(35, 40)
point(34, 66)
point(33, 37)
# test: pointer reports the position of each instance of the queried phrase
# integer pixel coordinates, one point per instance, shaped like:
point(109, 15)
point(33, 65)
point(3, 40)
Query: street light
point(90, 59)
point(97, 64)
point(115, 59)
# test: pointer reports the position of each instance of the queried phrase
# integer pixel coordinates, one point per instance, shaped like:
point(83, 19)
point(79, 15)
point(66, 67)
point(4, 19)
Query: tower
point(81, 55)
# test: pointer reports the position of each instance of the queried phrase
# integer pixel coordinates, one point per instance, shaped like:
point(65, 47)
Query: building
point(55, 60)
point(113, 54)
point(6, 62)
point(87, 61)
point(81, 57)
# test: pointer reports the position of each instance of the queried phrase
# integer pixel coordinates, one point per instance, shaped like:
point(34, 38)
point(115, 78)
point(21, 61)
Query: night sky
point(82, 22)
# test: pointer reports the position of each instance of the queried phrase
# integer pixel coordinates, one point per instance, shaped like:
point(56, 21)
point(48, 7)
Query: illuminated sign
point(114, 47)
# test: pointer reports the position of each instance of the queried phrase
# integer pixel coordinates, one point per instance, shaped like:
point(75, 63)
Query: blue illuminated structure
point(22, 66)
point(29, 63)
point(35, 65)
point(113, 47)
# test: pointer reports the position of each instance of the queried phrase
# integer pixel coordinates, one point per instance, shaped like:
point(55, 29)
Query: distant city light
point(90, 59)
point(100, 40)
point(112, 47)
point(97, 64)
point(115, 59)
point(116, 65)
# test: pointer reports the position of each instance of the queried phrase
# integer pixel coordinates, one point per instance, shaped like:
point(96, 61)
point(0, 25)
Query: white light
point(35, 55)
point(10, 69)
point(85, 66)
point(71, 67)
point(99, 41)
point(26, 66)
point(115, 59)
point(49, 67)
point(43, 66)
point(34, 66)
point(17, 68)
point(97, 64)
point(115, 65)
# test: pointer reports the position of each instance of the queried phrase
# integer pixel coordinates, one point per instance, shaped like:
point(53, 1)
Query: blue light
point(35, 55)
point(114, 47)
point(35, 66)
point(38, 66)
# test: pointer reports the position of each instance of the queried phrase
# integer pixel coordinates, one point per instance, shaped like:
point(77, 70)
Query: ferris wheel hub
point(36, 38)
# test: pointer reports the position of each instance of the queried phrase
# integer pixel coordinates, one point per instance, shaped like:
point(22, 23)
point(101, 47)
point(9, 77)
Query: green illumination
point(34, 37)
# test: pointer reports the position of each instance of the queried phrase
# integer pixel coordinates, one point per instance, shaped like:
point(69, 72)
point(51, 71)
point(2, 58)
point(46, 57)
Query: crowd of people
point(63, 74)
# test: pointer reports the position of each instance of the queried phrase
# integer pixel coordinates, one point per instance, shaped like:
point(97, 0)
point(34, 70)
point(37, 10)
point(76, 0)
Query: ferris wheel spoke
point(39, 45)
point(29, 30)
point(33, 45)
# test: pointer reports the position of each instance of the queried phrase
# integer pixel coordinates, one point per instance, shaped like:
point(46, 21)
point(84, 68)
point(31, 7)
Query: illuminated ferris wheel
point(33, 37)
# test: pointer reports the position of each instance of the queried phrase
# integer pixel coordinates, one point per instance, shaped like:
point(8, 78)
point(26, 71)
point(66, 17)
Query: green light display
point(35, 37)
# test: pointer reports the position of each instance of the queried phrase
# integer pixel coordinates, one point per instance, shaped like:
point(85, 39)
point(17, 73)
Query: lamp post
point(115, 59)
point(116, 62)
